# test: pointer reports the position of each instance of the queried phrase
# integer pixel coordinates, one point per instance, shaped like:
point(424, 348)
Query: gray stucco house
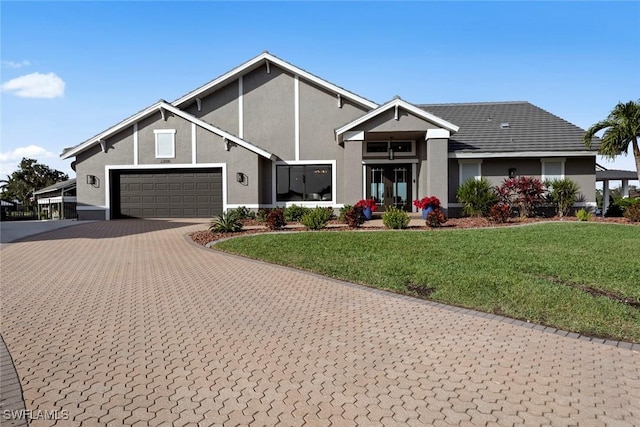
point(268, 133)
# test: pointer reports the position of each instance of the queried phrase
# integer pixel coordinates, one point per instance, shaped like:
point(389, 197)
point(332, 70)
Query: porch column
point(625, 188)
point(352, 173)
point(437, 141)
point(605, 196)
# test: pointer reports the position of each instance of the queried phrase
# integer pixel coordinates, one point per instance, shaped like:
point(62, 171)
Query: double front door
point(390, 185)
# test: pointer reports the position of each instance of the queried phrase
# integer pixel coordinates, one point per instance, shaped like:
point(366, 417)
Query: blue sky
point(72, 69)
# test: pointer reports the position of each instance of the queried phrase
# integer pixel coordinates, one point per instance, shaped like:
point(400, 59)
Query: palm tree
point(622, 127)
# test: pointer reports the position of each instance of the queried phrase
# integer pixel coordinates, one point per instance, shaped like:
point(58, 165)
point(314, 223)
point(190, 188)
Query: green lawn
point(552, 274)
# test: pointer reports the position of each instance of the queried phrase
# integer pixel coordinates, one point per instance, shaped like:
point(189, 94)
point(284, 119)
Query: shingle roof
point(57, 186)
point(507, 127)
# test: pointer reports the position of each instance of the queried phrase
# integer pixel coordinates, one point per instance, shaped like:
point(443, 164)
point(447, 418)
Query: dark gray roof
point(508, 126)
point(70, 183)
point(615, 174)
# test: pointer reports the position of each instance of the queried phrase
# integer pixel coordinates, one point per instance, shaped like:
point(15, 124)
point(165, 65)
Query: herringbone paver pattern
point(126, 323)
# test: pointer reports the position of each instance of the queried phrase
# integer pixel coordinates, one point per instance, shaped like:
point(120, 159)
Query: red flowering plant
point(523, 193)
point(367, 203)
point(426, 202)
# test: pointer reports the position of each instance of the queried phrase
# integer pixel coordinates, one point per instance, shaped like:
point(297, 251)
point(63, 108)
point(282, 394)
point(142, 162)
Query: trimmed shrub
point(435, 218)
point(562, 194)
point(294, 213)
point(354, 217)
point(395, 218)
point(632, 213)
point(228, 222)
point(583, 215)
point(500, 212)
point(343, 212)
point(316, 219)
point(243, 212)
point(614, 211)
point(261, 216)
point(477, 196)
point(275, 219)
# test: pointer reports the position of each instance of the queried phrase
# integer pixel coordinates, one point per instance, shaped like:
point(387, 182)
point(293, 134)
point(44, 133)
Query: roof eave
point(391, 104)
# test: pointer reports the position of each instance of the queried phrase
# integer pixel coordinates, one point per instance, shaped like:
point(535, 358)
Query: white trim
point(394, 103)
point(220, 132)
point(240, 107)
point(176, 111)
point(437, 133)
point(513, 154)
point(193, 144)
point(171, 132)
point(112, 130)
point(296, 115)
point(469, 162)
point(353, 136)
point(109, 168)
point(544, 162)
point(387, 161)
point(57, 199)
point(312, 203)
point(292, 69)
point(135, 143)
point(364, 181)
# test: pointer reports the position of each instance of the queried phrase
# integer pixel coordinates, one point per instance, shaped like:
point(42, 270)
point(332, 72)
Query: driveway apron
point(127, 323)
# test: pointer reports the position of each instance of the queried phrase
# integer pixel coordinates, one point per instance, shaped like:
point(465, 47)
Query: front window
point(552, 169)
point(469, 170)
point(304, 183)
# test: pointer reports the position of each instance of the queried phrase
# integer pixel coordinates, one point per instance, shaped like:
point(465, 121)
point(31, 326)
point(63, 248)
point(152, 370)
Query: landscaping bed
point(205, 237)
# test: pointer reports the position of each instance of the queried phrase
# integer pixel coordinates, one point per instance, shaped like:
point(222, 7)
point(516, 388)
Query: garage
point(162, 193)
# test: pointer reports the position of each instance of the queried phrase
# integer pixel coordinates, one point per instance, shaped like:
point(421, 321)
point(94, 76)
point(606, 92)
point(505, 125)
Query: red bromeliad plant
point(426, 202)
point(523, 193)
point(367, 203)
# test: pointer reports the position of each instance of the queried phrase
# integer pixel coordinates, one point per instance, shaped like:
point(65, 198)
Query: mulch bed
point(205, 237)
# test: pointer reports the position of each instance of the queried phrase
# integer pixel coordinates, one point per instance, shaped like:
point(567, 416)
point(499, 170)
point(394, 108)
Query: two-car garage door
point(162, 193)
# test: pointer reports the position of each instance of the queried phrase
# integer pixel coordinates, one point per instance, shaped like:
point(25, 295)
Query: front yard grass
point(577, 277)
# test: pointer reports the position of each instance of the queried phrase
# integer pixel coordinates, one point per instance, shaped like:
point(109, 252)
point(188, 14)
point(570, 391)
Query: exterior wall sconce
point(240, 177)
point(512, 172)
point(92, 180)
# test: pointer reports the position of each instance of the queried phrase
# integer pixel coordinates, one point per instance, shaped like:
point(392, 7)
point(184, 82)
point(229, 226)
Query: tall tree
point(29, 177)
point(621, 128)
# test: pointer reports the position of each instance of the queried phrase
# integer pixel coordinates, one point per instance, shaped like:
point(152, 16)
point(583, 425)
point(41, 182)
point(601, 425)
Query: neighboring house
point(268, 133)
point(57, 201)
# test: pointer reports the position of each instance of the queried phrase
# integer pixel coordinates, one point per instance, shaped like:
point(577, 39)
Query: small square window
point(165, 143)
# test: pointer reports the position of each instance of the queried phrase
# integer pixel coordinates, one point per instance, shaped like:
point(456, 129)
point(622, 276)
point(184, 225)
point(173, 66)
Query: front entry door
point(390, 185)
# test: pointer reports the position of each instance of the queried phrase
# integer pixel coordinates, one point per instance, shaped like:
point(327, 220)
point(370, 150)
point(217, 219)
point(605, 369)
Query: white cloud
point(14, 64)
point(31, 151)
point(9, 160)
point(35, 85)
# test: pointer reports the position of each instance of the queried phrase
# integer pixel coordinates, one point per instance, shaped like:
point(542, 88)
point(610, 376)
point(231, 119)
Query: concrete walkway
point(127, 323)
point(14, 230)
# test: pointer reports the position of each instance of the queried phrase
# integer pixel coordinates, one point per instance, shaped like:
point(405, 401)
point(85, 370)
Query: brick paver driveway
point(125, 322)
